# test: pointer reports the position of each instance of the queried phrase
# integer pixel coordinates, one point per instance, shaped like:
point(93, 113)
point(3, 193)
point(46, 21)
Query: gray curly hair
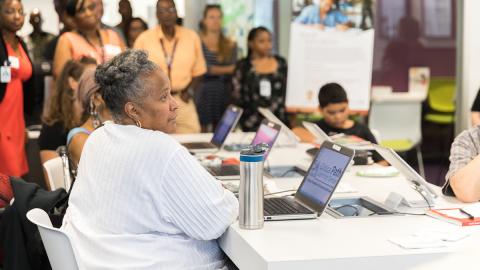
point(122, 80)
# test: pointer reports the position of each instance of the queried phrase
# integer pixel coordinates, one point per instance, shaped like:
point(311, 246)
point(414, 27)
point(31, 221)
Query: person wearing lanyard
point(260, 80)
point(178, 52)
point(88, 39)
point(16, 72)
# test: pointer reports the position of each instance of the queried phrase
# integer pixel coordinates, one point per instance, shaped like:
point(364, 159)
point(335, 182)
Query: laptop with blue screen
point(228, 122)
point(317, 187)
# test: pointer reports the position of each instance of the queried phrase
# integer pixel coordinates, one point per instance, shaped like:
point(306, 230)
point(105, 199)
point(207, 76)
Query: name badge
point(112, 50)
point(5, 74)
point(265, 88)
point(14, 62)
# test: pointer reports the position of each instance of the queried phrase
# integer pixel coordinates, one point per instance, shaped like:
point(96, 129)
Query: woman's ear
point(73, 84)
point(131, 111)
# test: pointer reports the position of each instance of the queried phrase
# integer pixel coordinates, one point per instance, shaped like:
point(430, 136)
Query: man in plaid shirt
point(463, 177)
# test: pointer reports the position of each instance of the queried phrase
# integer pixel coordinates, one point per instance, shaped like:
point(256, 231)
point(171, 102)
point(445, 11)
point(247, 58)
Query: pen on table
point(467, 214)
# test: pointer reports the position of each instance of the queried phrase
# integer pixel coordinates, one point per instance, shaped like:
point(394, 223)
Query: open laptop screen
point(267, 133)
point(229, 119)
point(324, 175)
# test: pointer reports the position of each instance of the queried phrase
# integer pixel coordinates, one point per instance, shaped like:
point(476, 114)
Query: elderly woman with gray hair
point(141, 201)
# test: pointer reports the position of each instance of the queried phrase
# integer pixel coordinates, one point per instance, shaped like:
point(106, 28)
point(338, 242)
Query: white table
point(351, 243)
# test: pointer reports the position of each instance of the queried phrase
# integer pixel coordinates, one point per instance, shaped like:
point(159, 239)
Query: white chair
point(55, 174)
point(398, 122)
point(57, 243)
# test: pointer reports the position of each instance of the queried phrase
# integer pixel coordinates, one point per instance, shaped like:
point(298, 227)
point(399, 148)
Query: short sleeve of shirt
point(340, 18)
point(476, 103)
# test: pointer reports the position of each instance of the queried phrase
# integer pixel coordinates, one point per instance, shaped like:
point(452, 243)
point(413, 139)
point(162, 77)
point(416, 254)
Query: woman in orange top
point(16, 68)
point(88, 39)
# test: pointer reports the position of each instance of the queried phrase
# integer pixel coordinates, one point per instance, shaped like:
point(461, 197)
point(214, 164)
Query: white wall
point(468, 61)
point(50, 18)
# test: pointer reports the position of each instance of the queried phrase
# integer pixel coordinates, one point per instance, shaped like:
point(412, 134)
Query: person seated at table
point(463, 178)
point(323, 15)
point(133, 199)
point(333, 104)
point(94, 108)
point(62, 114)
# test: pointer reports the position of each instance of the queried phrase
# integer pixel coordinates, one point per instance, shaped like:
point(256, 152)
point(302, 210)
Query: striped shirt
point(465, 148)
point(141, 201)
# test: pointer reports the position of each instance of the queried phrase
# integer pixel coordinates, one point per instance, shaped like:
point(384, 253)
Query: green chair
point(441, 101)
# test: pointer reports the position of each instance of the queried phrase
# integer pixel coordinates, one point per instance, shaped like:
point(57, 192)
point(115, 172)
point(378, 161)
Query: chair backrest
point(441, 94)
point(56, 243)
point(396, 119)
point(54, 169)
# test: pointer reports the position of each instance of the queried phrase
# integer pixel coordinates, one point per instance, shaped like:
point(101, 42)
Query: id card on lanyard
point(5, 73)
point(265, 88)
point(169, 57)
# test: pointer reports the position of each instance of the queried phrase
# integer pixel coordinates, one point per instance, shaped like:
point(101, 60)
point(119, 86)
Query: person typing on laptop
point(333, 104)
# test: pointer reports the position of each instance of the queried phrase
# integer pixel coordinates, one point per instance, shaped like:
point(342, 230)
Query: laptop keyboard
point(225, 170)
point(283, 206)
point(199, 145)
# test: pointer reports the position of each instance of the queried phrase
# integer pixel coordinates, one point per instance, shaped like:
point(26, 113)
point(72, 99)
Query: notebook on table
point(317, 187)
point(267, 133)
point(227, 123)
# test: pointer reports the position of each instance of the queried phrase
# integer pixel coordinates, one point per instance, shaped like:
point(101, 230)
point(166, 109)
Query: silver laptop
point(317, 187)
point(225, 126)
point(321, 136)
point(419, 183)
point(267, 133)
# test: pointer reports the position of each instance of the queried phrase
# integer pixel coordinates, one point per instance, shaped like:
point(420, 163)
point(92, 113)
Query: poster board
point(319, 56)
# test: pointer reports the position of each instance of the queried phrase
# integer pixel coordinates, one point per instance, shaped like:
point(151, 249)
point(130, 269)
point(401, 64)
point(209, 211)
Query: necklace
point(102, 49)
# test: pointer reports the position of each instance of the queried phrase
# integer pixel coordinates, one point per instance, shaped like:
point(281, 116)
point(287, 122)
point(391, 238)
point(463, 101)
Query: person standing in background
point(66, 25)
point(178, 52)
point(134, 28)
point(221, 55)
point(99, 11)
point(37, 42)
point(88, 40)
point(15, 78)
point(260, 80)
point(125, 10)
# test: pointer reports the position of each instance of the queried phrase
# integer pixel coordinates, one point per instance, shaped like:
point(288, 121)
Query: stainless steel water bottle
point(251, 187)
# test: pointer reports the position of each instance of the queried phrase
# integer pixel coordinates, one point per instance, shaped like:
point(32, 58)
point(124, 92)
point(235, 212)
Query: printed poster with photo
point(318, 57)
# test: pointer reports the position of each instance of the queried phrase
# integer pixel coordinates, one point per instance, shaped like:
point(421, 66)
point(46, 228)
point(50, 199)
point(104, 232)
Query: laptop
point(317, 187)
point(225, 126)
point(419, 183)
point(267, 133)
point(321, 136)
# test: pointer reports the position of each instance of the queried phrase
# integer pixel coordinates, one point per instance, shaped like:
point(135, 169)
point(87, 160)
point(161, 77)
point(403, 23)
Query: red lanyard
point(169, 58)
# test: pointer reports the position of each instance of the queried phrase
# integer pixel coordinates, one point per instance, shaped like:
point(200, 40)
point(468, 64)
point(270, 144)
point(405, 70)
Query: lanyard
point(102, 54)
point(169, 58)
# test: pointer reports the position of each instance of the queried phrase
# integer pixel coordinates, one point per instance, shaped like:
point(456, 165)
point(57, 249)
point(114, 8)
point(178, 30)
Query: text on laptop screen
point(266, 134)
point(324, 175)
point(224, 126)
